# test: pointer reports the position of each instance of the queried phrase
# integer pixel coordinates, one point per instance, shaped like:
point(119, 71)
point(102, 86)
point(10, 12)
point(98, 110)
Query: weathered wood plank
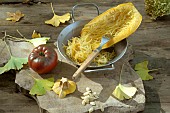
point(140, 39)
point(109, 2)
point(33, 11)
point(12, 1)
point(150, 41)
point(31, 22)
point(11, 102)
point(156, 108)
point(157, 90)
point(17, 103)
point(65, 1)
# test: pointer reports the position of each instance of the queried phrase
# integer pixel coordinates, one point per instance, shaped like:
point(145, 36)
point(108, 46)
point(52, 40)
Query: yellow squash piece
point(36, 34)
point(118, 22)
point(63, 86)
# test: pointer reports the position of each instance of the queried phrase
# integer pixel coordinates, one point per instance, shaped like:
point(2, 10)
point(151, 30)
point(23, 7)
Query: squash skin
point(124, 33)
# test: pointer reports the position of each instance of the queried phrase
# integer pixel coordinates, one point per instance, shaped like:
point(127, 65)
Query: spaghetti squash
point(117, 23)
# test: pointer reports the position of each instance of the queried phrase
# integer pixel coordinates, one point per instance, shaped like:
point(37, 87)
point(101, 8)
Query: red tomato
point(43, 59)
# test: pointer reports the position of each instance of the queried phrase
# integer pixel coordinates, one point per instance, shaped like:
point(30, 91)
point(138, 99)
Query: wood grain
point(12, 102)
point(150, 42)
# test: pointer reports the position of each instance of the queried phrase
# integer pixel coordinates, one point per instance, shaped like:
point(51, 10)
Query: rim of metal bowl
point(115, 59)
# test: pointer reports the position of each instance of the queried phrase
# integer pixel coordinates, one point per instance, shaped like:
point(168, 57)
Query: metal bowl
point(73, 30)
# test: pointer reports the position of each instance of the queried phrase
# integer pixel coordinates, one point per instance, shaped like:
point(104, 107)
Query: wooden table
point(150, 42)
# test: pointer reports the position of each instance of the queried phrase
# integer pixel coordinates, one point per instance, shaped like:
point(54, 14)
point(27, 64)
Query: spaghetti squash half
point(117, 23)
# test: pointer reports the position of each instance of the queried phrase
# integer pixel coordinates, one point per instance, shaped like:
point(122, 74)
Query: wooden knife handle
point(85, 63)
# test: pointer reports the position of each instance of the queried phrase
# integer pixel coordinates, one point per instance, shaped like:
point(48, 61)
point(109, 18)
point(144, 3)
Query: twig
point(35, 78)
point(52, 8)
point(18, 39)
point(120, 78)
point(155, 69)
point(3, 38)
point(9, 50)
point(20, 34)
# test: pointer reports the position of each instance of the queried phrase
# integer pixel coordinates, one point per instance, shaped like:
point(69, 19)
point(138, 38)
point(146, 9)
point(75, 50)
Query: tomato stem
point(41, 54)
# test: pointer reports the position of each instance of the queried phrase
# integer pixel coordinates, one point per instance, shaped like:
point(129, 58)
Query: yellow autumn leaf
point(15, 16)
point(56, 20)
point(38, 41)
point(123, 92)
point(36, 34)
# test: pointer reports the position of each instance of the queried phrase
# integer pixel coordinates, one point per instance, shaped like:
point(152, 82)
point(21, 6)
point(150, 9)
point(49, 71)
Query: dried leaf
point(143, 71)
point(36, 34)
point(41, 86)
point(14, 63)
point(39, 41)
point(123, 92)
point(15, 16)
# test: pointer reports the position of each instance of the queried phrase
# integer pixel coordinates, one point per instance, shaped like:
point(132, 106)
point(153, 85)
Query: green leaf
point(39, 41)
point(14, 63)
point(144, 74)
point(142, 66)
point(123, 92)
point(143, 71)
point(50, 79)
point(41, 86)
